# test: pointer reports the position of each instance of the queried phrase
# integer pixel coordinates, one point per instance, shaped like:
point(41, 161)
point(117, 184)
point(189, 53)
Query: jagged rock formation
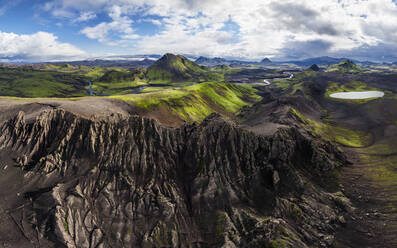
point(126, 181)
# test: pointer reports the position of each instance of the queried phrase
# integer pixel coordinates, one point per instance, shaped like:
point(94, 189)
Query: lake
point(357, 95)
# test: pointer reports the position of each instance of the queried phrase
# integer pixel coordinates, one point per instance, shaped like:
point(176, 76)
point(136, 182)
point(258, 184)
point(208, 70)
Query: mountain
point(110, 62)
point(346, 66)
point(314, 67)
point(114, 76)
point(172, 67)
point(132, 57)
point(368, 63)
point(230, 62)
point(325, 60)
point(265, 61)
point(211, 61)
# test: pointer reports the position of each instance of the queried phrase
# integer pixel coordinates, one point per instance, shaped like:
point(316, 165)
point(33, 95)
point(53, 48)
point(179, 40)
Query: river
point(91, 90)
point(267, 82)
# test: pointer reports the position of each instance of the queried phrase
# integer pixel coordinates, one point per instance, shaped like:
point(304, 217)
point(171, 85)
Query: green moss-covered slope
point(175, 68)
point(119, 81)
point(194, 103)
point(346, 66)
point(339, 134)
point(22, 82)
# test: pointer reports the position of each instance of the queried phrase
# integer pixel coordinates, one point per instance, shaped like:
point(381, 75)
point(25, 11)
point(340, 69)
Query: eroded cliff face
point(126, 181)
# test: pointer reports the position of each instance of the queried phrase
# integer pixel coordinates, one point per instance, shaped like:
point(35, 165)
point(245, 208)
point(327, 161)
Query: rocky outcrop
point(126, 181)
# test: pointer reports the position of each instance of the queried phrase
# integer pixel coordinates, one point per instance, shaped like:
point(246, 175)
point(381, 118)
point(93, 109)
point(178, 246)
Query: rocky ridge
point(127, 181)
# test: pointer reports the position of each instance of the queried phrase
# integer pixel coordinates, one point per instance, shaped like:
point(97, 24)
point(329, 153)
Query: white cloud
point(119, 25)
point(38, 46)
point(85, 16)
point(131, 36)
point(265, 28)
point(156, 22)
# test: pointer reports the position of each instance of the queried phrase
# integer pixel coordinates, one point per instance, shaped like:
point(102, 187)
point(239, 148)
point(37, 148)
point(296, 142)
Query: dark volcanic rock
point(124, 181)
point(314, 67)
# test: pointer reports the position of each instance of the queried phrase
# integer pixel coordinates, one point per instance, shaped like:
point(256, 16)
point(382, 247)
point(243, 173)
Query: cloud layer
point(38, 46)
point(238, 28)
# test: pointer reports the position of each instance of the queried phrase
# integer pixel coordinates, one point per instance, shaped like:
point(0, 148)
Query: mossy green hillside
point(381, 167)
point(334, 87)
point(52, 81)
point(63, 67)
point(23, 82)
point(342, 135)
point(176, 68)
point(381, 159)
point(119, 81)
point(93, 73)
point(290, 86)
point(194, 103)
point(89, 72)
point(346, 66)
point(385, 174)
point(115, 76)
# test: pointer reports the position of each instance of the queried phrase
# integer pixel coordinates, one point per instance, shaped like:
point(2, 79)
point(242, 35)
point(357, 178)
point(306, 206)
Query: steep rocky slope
point(126, 181)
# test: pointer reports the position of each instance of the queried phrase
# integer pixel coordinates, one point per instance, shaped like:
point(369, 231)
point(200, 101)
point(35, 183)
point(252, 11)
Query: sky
point(50, 30)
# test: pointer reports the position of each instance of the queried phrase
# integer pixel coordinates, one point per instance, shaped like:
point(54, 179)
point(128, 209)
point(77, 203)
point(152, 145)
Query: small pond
point(357, 95)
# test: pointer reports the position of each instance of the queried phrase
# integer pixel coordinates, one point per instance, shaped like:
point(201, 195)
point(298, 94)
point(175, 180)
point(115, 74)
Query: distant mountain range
point(211, 61)
point(110, 63)
point(327, 61)
point(320, 61)
point(149, 59)
point(113, 61)
point(221, 61)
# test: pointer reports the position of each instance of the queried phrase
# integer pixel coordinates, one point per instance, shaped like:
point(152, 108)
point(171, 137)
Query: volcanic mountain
point(346, 66)
point(314, 67)
point(172, 67)
point(265, 61)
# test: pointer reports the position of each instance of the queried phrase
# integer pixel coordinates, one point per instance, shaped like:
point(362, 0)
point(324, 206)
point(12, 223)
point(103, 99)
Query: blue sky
point(46, 30)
